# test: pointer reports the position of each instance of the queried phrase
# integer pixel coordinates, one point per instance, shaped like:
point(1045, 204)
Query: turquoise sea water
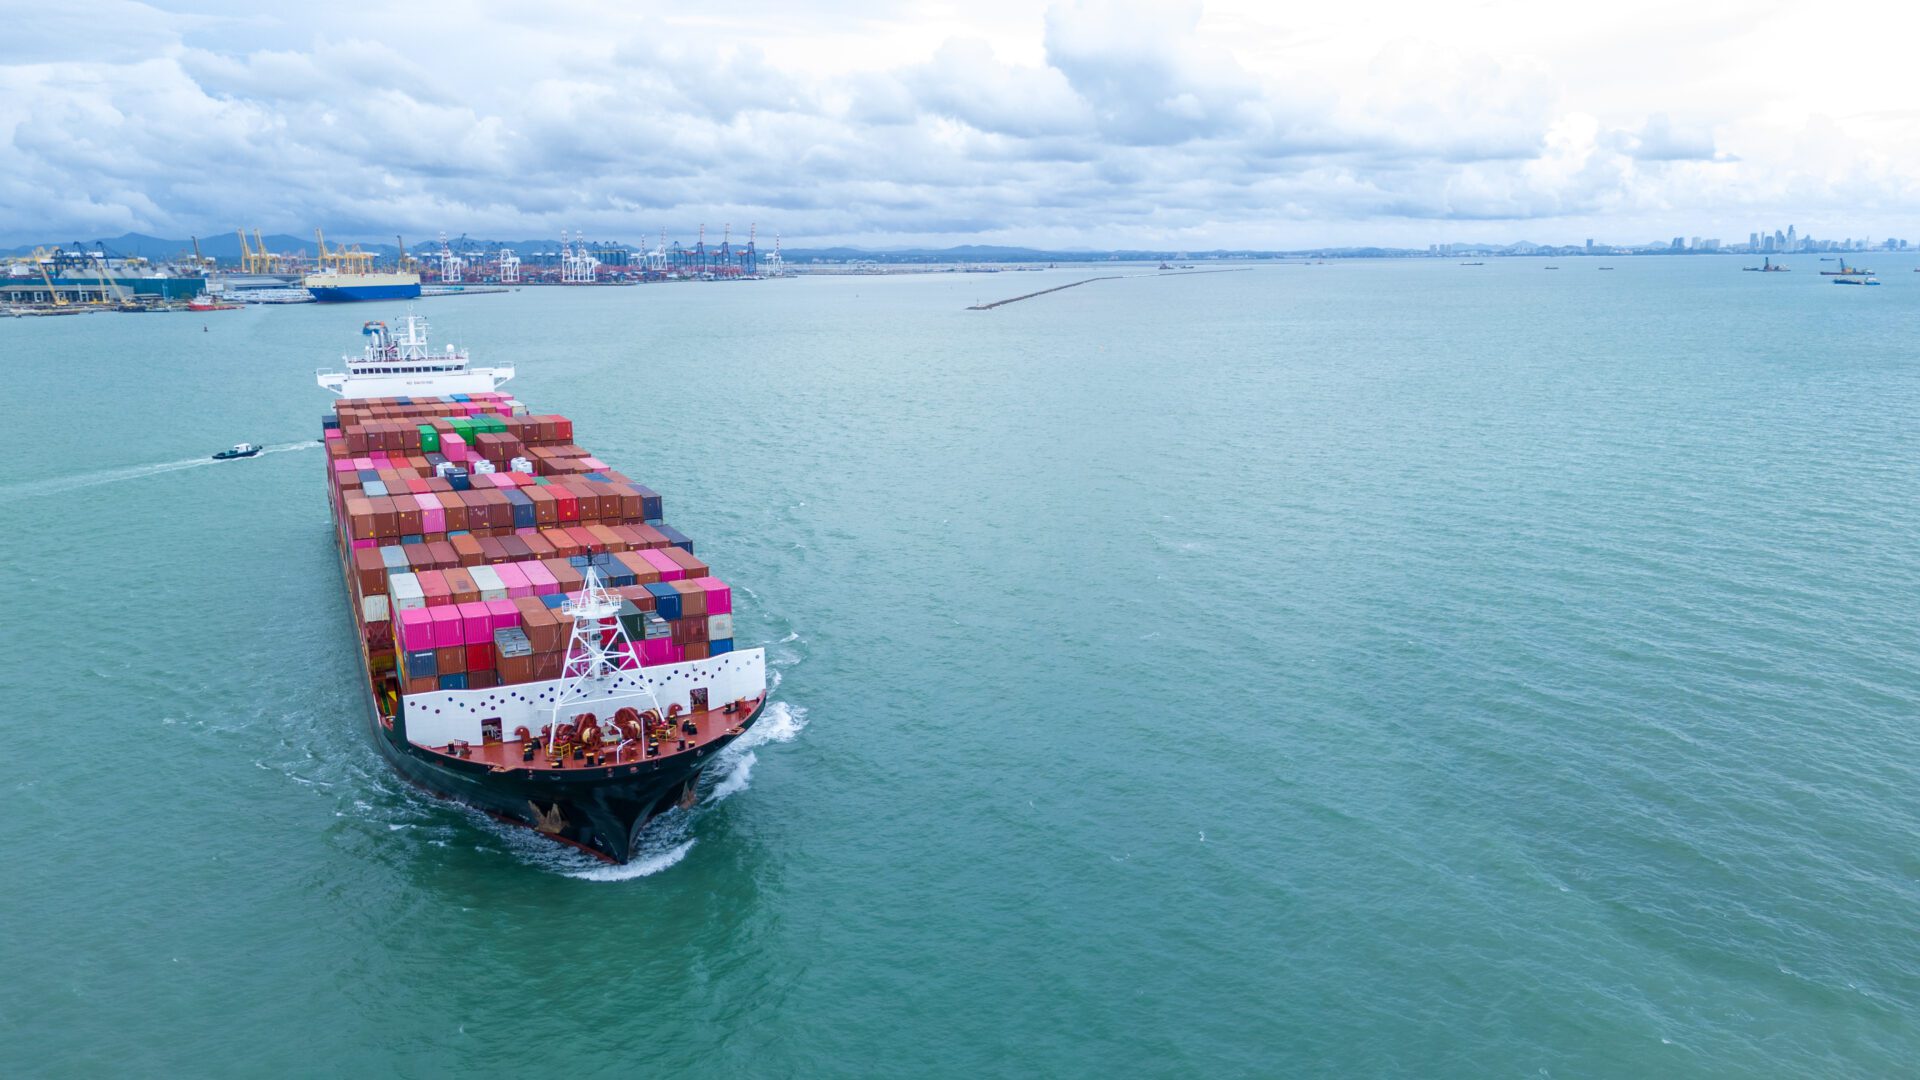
point(1369, 669)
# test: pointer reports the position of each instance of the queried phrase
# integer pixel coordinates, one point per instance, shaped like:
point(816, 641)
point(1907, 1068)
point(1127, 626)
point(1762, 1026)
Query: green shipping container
point(429, 440)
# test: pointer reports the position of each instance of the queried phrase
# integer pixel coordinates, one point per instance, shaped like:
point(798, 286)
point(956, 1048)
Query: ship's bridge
point(401, 365)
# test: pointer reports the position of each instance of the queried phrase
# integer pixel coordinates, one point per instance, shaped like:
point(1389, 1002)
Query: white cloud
point(1089, 122)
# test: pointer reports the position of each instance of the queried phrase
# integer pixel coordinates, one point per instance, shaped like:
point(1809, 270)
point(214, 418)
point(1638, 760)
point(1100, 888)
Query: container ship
point(537, 641)
point(334, 286)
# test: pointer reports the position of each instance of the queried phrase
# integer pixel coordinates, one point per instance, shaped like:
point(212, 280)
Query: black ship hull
point(598, 809)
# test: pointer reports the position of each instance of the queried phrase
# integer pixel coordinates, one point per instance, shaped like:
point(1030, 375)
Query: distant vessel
point(1549, 268)
point(1850, 271)
point(334, 287)
point(1856, 281)
point(1603, 268)
point(203, 302)
point(1473, 264)
point(1767, 266)
point(239, 450)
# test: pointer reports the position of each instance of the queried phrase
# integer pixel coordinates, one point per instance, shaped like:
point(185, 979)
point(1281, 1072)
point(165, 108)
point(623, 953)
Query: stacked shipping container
point(467, 521)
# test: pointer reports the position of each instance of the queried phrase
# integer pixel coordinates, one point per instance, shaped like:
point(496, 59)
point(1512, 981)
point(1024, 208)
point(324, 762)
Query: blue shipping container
point(666, 599)
point(454, 682)
point(676, 537)
point(719, 645)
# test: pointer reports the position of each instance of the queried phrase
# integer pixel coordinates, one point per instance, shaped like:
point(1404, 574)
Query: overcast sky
point(1083, 123)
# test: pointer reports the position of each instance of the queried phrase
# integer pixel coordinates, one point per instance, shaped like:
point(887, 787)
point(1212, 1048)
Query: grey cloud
point(1128, 124)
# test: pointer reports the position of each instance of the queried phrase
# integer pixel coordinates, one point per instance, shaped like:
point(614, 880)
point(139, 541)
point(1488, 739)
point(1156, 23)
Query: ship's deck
point(713, 726)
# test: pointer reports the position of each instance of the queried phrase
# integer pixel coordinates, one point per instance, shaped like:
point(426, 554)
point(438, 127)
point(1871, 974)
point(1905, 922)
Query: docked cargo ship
point(537, 641)
point(335, 287)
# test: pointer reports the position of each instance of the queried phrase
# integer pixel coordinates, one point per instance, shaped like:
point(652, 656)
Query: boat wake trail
point(136, 472)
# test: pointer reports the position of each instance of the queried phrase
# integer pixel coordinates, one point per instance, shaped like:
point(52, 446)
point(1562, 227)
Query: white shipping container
point(373, 608)
point(487, 580)
point(406, 591)
point(719, 626)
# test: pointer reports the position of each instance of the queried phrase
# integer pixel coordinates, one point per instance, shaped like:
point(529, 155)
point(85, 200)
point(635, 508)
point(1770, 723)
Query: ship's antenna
point(597, 650)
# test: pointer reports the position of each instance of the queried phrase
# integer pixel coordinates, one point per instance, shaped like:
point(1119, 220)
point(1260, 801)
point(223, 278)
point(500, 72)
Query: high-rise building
point(1679, 243)
point(1753, 240)
point(1589, 245)
point(1790, 239)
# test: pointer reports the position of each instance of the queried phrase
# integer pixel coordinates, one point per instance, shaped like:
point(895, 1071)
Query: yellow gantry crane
point(40, 259)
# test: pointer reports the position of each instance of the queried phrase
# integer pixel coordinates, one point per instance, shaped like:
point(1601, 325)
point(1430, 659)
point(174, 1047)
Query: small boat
point(239, 450)
point(1473, 264)
point(1767, 266)
point(1856, 281)
point(1603, 268)
point(1845, 271)
point(204, 302)
point(1549, 268)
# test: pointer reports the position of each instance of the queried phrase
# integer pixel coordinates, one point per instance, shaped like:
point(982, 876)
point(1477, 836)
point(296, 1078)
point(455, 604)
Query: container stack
point(466, 522)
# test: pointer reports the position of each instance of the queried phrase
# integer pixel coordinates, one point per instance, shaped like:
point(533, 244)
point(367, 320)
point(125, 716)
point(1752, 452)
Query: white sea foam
point(780, 723)
point(645, 866)
point(736, 779)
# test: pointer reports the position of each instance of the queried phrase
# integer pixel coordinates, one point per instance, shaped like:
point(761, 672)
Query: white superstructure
point(402, 366)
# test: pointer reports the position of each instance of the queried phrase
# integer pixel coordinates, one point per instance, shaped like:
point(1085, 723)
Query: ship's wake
point(136, 472)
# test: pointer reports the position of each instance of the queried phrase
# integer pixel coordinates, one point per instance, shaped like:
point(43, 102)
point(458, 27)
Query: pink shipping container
point(416, 629)
point(669, 570)
point(505, 616)
point(719, 595)
point(447, 632)
point(366, 543)
point(658, 651)
point(433, 519)
point(594, 464)
point(476, 623)
point(540, 578)
point(515, 579)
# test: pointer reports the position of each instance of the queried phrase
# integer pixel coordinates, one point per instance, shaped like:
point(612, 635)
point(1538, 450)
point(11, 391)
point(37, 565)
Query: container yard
point(539, 640)
point(87, 278)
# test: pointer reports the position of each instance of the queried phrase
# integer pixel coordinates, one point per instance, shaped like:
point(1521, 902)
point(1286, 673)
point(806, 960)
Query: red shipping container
point(479, 658)
point(643, 571)
point(693, 599)
point(651, 537)
point(466, 547)
point(369, 571)
point(694, 567)
point(433, 585)
point(538, 546)
point(482, 680)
